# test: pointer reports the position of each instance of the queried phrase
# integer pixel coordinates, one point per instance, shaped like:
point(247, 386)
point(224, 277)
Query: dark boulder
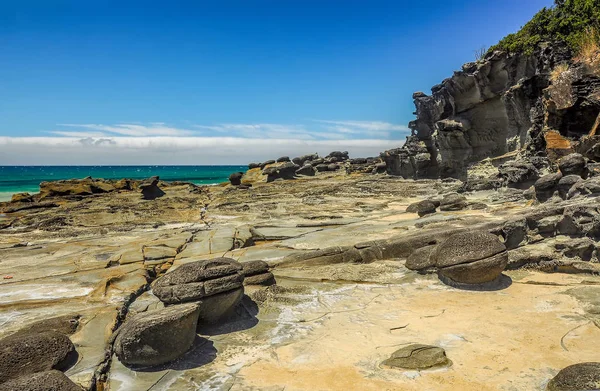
point(453, 202)
point(418, 357)
point(306, 170)
point(41, 381)
point(264, 164)
point(578, 377)
point(302, 160)
point(566, 183)
point(253, 165)
point(518, 173)
point(283, 159)
point(423, 208)
point(68, 324)
point(322, 167)
point(573, 164)
point(514, 233)
point(470, 258)
point(580, 220)
point(339, 155)
point(236, 178)
point(26, 354)
point(332, 167)
point(149, 189)
point(157, 337)
point(546, 186)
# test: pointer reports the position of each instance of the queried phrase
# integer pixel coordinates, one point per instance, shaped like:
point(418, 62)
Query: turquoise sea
point(17, 179)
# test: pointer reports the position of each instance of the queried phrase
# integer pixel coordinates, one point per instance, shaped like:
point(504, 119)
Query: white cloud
point(134, 130)
point(172, 150)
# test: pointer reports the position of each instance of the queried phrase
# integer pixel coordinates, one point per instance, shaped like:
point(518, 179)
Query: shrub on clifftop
point(568, 21)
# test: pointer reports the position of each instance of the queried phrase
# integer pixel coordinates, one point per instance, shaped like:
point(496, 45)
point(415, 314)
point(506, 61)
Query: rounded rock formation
point(42, 381)
point(573, 164)
point(157, 337)
point(27, 354)
point(236, 178)
point(420, 260)
point(578, 377)
point(216, 285)
point(470, 258)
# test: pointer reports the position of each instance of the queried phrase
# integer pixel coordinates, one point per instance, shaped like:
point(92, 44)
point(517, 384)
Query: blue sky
point(91, 82)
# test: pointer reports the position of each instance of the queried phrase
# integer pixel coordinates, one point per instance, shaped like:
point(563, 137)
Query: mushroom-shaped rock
point(573, 164)
point(236, 178)
point(41, 381)
point(216, 285)
point(157, 337)
point(197, 280)
point(418, 357)
point(36, 352)
point(471, 258)
point(578, 377)
point(423, 208)
point(257, 273)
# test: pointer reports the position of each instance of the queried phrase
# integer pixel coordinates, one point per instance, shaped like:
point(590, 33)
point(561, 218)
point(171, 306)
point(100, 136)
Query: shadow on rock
point(502, 282)
point(201, 353)
point(243, 317)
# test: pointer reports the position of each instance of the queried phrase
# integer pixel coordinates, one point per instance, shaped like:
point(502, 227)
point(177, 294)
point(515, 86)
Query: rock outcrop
point(257, 273)
point(470, 258)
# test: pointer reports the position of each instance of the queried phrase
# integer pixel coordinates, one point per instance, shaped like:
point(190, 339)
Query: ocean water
point(17, 179)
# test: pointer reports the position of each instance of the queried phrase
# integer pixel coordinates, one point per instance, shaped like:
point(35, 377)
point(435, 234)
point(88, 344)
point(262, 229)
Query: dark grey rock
point(453, 202)
point(514, 233)
point(283, 159)
point(264, 164)
point(578, 377)
point(306, 170)
point(42, 381)
point(546, 186)
point(196, 280)
point(566, 183)
point(236, 178)
point(252, 268)
point(420, 260)
point(472, 257)
point(253, 165)
point(264, 279)
point(573, 164)
point(26, 354)
point(518, 173)
point(423, 208)
point(322, 167)
point(157, 337)
point(150, 190)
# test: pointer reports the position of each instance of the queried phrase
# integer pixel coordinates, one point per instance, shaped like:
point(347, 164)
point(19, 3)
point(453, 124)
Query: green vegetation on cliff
point(571, 21)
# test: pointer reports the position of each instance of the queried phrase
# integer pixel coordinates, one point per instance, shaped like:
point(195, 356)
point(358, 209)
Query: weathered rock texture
point(503, 103)
point(418, 356)
point(157, 337)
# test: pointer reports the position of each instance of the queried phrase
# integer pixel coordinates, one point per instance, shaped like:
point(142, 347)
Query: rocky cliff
point(530, 104)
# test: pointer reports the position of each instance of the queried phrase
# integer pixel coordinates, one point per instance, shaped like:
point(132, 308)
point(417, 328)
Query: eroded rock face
point(473, 257)
point(418, 357)
point(42, 381)
point(157, 337)
point(27, 354)
point(578, 377)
